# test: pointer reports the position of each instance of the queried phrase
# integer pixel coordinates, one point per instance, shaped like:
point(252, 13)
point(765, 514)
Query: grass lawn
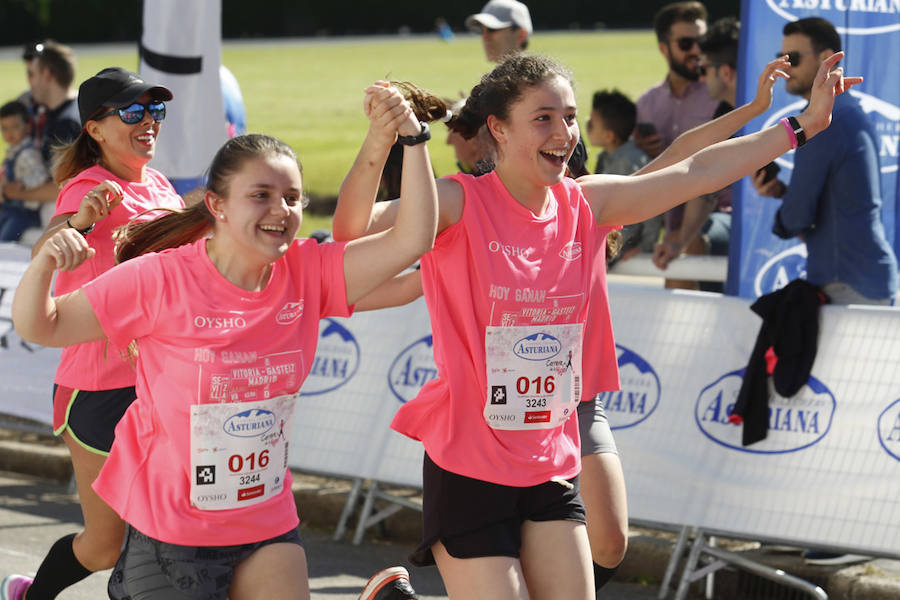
point(309, 93)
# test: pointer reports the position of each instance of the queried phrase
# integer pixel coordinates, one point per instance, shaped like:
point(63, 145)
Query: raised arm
point(373, 260)
point(725, 126)
point(40, 318)
point(623, 200)
point(95, 205)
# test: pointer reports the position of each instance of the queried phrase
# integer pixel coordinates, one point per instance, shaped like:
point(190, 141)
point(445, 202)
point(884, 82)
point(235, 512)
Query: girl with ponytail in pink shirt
point(223, 304)
point(515, 281)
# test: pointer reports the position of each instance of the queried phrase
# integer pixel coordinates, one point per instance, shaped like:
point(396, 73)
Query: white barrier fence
point(827, 475)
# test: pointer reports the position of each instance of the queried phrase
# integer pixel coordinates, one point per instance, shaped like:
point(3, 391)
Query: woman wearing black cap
point(105, 183)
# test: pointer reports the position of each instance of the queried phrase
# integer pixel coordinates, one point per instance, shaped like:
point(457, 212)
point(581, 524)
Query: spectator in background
point(679, 102)
point(22, 163)
point(609, 127)
point(37, 113)
point(51, 70)
point(709, 217)
point(504, 25)
point(833, 202)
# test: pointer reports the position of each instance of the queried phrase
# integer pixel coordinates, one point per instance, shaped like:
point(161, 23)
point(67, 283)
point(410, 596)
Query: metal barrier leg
point(690, 565)
point(776, 575)
point(673, 562)
point(349, 505)
point(366, 511)
point(711, 578)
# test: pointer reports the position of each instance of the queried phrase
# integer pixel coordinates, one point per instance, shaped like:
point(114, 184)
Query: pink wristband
point(790, 132)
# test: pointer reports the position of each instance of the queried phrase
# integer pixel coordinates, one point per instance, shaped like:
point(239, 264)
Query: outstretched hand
point(66, 250)
point(388, 112)
point(766, 82)
point(828, 84)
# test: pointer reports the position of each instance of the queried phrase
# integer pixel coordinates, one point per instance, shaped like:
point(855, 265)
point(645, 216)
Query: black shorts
point(474, 518)
point(149, 568)
point(90, 417)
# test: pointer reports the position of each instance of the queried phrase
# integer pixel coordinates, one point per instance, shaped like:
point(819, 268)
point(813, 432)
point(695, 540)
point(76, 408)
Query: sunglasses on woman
point(134, 113)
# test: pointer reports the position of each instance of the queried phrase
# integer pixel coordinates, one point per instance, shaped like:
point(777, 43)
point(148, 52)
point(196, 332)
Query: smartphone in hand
point(771, 170)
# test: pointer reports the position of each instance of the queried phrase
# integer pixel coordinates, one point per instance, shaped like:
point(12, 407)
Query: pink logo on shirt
point(571, 251)
point(289, 313)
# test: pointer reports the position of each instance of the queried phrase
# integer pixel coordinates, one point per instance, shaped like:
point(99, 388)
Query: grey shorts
point(596, 436)
point(149, 569)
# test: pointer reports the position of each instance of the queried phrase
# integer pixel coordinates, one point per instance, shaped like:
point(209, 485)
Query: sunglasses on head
point(793, 57)
point(686, 43)
point(135, 112)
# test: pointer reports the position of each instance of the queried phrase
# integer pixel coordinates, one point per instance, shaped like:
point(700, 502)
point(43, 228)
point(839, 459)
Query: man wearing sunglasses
point(50, 68)
point(679, 103)
point(504, 26)
point(833, 201)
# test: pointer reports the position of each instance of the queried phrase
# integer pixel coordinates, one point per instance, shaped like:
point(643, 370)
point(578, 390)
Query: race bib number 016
point(533, 375)
point(239, 451)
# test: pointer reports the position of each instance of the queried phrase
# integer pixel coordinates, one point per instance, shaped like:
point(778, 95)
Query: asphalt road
point(35, 512)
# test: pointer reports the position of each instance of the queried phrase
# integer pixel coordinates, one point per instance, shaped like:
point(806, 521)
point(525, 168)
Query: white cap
point(500, 14)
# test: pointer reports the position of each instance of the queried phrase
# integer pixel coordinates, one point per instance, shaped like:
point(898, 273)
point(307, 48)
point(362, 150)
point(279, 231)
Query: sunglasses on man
point(686, 43)
point(134, 113)
point(793, 57)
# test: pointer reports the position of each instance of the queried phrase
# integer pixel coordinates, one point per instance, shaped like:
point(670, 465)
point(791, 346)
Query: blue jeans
point(15, 219)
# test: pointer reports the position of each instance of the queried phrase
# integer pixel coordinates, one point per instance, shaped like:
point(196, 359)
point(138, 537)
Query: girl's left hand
point(766, 82)
point(828, 84)
point(66, 250)
point(386, 109)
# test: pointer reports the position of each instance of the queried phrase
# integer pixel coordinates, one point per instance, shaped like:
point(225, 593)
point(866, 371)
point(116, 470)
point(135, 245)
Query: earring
point(221, 217)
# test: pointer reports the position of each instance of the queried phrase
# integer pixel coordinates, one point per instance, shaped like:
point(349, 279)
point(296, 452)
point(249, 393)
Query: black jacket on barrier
point(790, 328)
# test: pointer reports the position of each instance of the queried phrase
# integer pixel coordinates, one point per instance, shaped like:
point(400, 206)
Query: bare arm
point(56, 322)
point(725, 126)
point(42, 193)
point(400, 290)
point(95, 205)
point(623, 200)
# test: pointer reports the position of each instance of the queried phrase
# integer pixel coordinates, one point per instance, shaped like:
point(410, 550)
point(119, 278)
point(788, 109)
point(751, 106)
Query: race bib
point(239, 451)
point(533, 375)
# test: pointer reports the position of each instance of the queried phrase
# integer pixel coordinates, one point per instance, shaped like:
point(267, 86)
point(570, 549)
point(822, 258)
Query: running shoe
point(14, 586)
point(389, 584)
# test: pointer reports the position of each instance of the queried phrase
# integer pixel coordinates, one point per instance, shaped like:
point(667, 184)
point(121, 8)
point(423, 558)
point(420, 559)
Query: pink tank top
point(502, 267)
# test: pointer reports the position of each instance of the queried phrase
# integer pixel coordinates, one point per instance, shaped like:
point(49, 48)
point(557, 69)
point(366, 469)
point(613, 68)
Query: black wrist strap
point(81, 231)
point(798, 130)
point(412, 140)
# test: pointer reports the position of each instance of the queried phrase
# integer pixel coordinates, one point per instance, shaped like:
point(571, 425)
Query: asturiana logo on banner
point(780, 270)
point(639, 395)
point(889, 429)
point(867, 17)
point(883, 115)
point(336, 360)
point(413, 368)
point(538, 346)
point(249, 423)
point(795, 423)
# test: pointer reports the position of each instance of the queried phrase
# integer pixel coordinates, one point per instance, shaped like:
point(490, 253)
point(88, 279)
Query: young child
point(23, 163)
point(609, 127)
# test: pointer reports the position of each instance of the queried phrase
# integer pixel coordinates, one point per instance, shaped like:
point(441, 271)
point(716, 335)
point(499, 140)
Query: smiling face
point(262, 208)
point(126, 149)
point(539, 134)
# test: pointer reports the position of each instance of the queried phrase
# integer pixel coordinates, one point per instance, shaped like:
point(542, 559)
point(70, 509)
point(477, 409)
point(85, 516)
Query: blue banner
point(760, 262)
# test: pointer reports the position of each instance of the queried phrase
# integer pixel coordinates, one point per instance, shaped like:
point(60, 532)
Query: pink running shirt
point(501, 265)
point(96, 365)
point(202, 339)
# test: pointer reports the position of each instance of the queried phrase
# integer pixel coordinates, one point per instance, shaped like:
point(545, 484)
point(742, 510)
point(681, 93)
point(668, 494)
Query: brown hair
point(57, 58)
point(502, 87)
point(677, 12)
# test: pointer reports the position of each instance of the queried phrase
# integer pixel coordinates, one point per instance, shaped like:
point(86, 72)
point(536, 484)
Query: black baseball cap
point(114, 87)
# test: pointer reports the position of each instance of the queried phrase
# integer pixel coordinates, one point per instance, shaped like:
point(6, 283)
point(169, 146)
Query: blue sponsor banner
point(760, 262)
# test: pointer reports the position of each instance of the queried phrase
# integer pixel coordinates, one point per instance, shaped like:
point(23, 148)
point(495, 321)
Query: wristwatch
point(412, 140)
point(798, 130)
point(81, 231)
